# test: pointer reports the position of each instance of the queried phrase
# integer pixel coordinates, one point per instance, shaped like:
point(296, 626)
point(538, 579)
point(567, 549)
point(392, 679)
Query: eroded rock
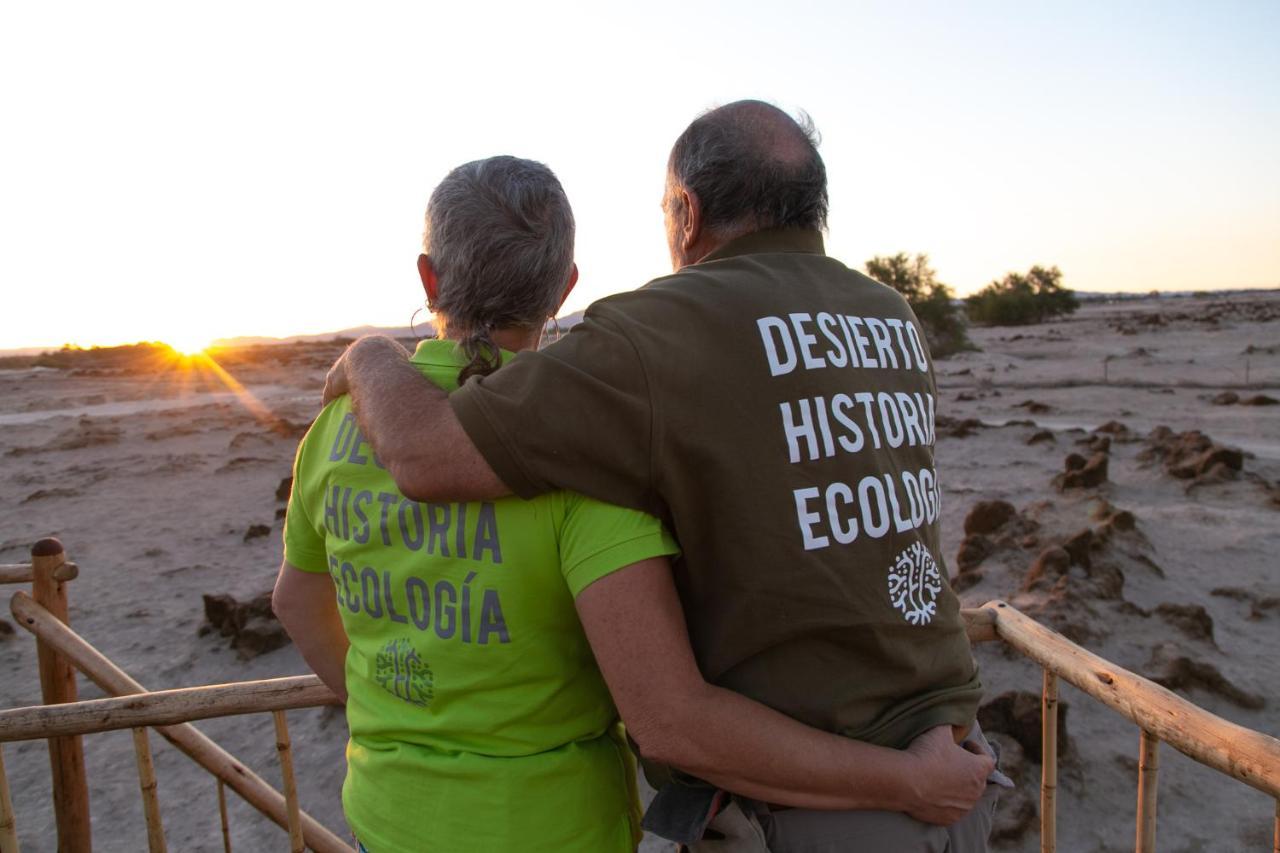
point(1041, 436)
point(988, 516)
point(973, 550)
point(1191, 455)
point(1016, 713)
point(1081, 473)
point(1017, 811)
point(1191, 619)
point(1176, 671)
point(251, 625)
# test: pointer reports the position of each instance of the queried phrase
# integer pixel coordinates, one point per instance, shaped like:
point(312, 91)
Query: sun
point(185, 344)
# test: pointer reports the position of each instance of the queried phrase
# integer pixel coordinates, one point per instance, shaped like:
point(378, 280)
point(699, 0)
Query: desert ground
point(1115, 474)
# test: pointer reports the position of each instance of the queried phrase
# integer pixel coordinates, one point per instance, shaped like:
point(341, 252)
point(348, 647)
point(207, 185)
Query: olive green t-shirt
point(479, 719)
point(776, 409)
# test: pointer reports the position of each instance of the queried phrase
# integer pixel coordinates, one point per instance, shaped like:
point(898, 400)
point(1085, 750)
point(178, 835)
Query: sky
point(184, 172)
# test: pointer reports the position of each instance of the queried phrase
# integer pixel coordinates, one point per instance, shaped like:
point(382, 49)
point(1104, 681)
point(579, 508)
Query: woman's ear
point(430, 283)
point(568, 288)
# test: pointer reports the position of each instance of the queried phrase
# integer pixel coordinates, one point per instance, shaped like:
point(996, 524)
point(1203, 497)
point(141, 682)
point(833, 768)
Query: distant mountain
point(425, 329)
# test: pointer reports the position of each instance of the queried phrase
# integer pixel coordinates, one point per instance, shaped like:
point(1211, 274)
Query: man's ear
point(691, 228)
point(568, 288)
point(430, 283)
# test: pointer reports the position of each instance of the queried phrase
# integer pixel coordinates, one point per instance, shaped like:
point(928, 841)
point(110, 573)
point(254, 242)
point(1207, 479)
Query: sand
point(152, 480)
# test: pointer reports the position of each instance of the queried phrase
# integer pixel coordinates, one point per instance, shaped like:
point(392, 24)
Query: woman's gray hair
point(499, 233)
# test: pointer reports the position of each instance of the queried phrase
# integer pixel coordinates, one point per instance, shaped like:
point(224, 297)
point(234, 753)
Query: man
point(776, 410)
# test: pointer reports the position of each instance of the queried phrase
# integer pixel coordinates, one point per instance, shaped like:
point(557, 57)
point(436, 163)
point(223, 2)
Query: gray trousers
point(755, 828)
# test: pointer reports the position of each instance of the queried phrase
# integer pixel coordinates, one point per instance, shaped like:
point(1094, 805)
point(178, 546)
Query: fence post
point(147, 785)
point(1049, 764)
point(1148, 786)
point(58, 685)
point(8, 826)
point(290, 784)
point(222, 815)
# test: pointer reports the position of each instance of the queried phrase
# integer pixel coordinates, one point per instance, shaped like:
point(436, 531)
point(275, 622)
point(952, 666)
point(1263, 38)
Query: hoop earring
point(412, 329)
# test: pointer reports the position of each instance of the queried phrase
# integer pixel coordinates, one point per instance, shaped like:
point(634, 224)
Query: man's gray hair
point(499, 233)
point(752, 166)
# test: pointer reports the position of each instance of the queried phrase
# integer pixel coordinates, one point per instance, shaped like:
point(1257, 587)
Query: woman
point(479, 719)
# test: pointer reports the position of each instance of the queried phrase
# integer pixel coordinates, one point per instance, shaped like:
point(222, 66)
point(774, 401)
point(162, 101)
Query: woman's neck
point(511, 338)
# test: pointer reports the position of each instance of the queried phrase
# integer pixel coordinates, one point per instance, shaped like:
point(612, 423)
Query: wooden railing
point(1243, 754)
point(1162, 716)
point(62, 721)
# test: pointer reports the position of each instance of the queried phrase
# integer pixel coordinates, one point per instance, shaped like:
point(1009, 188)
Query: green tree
point(930, 299)
point(1018, 300)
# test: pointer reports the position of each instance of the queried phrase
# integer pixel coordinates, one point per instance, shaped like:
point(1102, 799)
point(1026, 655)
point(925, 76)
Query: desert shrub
point(1019, 300)
point(930, 299)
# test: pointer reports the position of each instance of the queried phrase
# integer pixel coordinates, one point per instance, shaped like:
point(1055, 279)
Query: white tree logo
point(914, 584)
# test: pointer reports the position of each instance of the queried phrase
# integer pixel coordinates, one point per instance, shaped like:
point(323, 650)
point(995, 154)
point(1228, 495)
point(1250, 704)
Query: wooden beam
point(197, 746)
point(165, 707)
point(979, 624)
point(1148, 787)
point(1049, 764)
point(8, 825)
point(58, 685)
point(22, 573)
point(149, 788)
point(1241, 753)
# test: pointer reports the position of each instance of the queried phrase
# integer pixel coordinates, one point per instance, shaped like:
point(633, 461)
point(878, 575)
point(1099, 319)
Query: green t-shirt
point(479, 719)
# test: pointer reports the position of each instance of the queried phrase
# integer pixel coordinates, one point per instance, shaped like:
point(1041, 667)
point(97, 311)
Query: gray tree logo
point(400, 671)
point(914, 584)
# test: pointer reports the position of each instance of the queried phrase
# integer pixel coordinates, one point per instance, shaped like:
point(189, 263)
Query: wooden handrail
point(164, 707)
point(23, 573)
point(1251, 757)
point(186, 737)
point(1243, 754)
point(979, 624)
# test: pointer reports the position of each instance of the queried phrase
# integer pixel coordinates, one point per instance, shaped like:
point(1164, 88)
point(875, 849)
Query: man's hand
point(335, 381)
point(338, 381)
point(949, 778)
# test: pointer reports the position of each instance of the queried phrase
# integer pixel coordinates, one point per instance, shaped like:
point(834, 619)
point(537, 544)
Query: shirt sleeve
point(598, 539)
point(304, 546)
point(577, 415)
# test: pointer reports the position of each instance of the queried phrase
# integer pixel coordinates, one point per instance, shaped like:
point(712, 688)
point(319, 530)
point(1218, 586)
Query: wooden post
point(1049, 764)
point(8, 826)
point(57, 686)
point(1148, 785)
point(290, 784)
point(186, 737)
point(222, 816)
point(150, 799)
